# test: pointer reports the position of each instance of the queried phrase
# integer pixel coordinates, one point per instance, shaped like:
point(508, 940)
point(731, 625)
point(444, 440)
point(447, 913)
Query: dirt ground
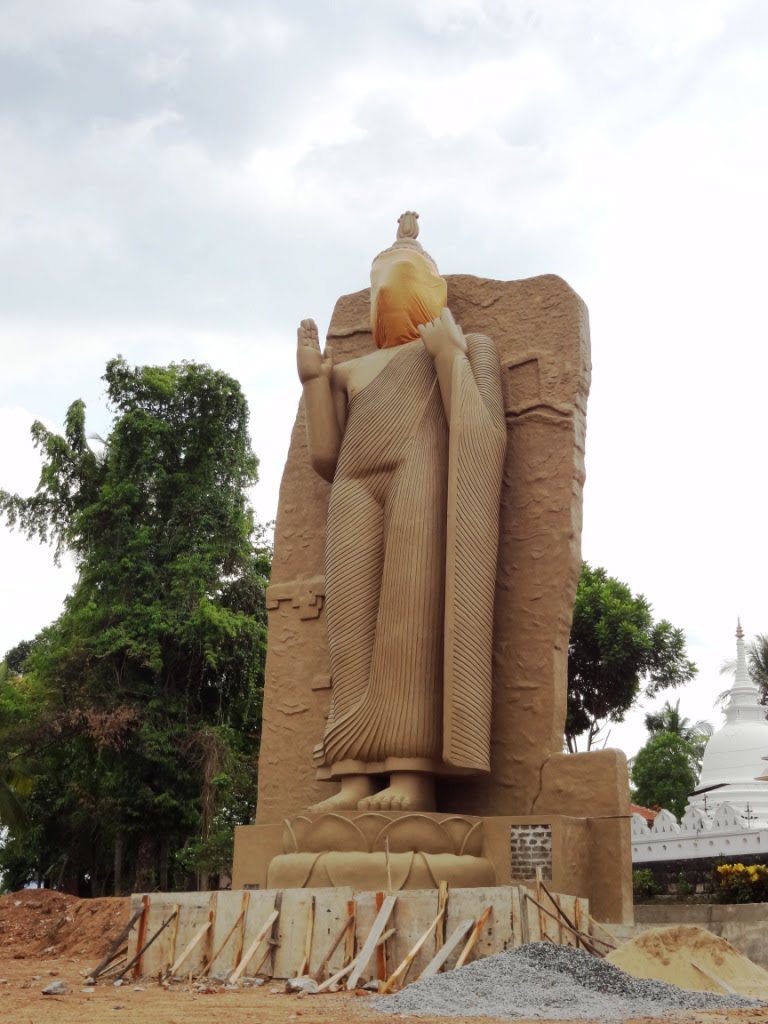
point(22, 1002)
point(46, 937)
point(41, 922)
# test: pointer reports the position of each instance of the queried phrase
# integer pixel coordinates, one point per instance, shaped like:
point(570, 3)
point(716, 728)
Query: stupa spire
point(744, 698)
point(733, 766)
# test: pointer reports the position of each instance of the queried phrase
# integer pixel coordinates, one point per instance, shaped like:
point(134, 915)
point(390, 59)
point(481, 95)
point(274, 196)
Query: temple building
point(727, 814)
point(734, 763)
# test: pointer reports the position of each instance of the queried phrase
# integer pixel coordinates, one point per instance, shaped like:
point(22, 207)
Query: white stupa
point(734, 757)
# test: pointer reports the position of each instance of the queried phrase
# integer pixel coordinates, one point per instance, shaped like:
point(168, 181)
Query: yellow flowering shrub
point(743, 883)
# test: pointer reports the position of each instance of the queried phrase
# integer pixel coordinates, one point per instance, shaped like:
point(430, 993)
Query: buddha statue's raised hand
point(443, 336)
point(445, 342)
point(312, 364)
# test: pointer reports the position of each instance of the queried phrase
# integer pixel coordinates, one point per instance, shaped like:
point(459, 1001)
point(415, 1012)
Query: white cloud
point(155, 67)
point(33, 588)
point(188, 180)
point(27, 24)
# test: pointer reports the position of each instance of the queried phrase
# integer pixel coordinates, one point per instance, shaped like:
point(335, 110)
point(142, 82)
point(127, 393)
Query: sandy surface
point(22, 1002)
point(672, 955)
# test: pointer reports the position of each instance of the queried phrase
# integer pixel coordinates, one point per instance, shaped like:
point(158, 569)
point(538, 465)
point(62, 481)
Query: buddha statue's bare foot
point(407, 791)
point(354, 788)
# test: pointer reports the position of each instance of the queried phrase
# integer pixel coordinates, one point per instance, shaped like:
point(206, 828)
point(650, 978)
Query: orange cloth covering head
point(406, 288)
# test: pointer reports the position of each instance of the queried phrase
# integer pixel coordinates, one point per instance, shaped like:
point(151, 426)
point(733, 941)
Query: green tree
point(17, 656)
point(615, 646)
point(13, 782)
point(15, 779)
point(158, 655)
point(668, 719)
point(664, 773)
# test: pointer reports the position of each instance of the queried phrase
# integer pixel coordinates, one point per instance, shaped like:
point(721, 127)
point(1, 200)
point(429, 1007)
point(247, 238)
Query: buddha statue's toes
point(408, 791)
point(333, 803)
point(354, 788)
point(388, 799)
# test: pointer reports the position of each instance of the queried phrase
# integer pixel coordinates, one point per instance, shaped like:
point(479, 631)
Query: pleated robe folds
point(411, 551)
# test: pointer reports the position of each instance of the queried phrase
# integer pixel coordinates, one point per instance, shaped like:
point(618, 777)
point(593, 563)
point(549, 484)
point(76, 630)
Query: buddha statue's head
point(406, 287)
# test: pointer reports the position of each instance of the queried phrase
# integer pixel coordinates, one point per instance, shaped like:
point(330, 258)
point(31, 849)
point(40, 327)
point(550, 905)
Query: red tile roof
point(646, 812)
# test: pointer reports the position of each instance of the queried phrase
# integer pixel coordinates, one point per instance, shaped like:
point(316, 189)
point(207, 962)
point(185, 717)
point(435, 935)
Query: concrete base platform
point(586, 857)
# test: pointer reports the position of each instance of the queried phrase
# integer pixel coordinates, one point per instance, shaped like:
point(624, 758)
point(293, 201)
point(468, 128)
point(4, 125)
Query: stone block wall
point(699, 874)
point(530, 848)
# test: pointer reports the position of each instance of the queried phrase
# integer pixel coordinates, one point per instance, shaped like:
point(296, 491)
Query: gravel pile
point(550, 981)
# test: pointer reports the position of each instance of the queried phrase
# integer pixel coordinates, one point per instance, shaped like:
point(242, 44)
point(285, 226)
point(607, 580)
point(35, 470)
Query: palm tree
point(669, 719)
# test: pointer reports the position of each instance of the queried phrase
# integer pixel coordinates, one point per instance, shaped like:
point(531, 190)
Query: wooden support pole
point(172, 935)
point(570, 924)
point(561, 914)
point(577, 917)
point(208, 946)
point(349, 946)
point(308, 938)
point(381, 949)
point(261, 935)
point(580, 933)
point(525, 928)
point(268, 952)
point(539, 901)
point(536, 931)
point(401, 972)
point(370, 943)
point(349, 925)
point(141, 938)
point(272, 943)
point(607, 931)
point(274, 935)
point(238, 921)
point(240, 941)
point(116, 964)
point(711, 976)
point(112, 952)
point(474, 936)
point(442, 904)
point(447, 948)
point(121, 953)
point(340, 975)
point(585, 939)
point(144, 948)
point(195, 941)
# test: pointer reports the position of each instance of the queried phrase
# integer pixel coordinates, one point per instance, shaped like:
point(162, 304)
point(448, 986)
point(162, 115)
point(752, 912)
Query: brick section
point(530, 848)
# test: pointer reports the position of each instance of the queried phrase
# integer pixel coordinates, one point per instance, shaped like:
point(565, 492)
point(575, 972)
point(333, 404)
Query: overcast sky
point(183, 179)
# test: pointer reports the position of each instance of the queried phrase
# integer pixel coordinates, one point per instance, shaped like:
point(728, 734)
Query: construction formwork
point(343, 937)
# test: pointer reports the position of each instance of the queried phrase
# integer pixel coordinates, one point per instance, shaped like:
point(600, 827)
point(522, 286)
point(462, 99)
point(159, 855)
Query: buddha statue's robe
point(411, 549)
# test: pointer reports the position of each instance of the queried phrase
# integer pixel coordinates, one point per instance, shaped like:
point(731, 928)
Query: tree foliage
point(616, 650)
point(664, 773)
point(159, 652)
point(668, 719)
point(15, 659)
point(15, 781)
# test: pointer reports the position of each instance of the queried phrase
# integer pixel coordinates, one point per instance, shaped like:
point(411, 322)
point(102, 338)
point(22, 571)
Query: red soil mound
point(34, 922)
